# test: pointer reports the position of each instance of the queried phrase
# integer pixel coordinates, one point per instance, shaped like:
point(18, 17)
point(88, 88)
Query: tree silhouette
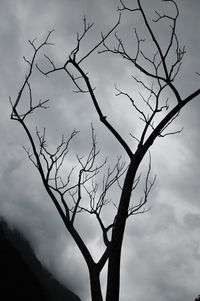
point(89, 194)
point(197, 298)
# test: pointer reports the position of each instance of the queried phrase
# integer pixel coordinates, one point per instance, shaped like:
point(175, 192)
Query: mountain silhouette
point(22, 275)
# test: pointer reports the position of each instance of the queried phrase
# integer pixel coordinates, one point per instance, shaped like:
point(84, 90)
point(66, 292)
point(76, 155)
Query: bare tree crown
point(155, 111)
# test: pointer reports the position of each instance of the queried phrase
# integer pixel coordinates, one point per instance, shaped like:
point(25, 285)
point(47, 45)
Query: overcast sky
point(161, 254)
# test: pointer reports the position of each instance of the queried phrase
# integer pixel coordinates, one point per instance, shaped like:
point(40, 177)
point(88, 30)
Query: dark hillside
point(22, 275)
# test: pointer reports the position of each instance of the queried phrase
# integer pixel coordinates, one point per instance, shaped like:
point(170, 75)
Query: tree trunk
point(113, 278)
point(95, 286)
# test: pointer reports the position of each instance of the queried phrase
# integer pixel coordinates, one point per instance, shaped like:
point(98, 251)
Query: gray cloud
point(161, 248)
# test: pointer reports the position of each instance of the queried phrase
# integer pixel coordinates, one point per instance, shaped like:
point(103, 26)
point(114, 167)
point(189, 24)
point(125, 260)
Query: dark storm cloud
point(162, 248)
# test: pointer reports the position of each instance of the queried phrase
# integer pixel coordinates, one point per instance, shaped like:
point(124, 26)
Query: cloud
point(161, 248)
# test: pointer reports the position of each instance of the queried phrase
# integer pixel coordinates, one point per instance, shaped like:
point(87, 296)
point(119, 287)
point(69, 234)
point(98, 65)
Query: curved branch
point(102, 118)
point(154, 40)
point(162, 125)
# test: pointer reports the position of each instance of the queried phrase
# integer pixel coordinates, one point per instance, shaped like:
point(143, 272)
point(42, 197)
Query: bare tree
point(156, 113)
